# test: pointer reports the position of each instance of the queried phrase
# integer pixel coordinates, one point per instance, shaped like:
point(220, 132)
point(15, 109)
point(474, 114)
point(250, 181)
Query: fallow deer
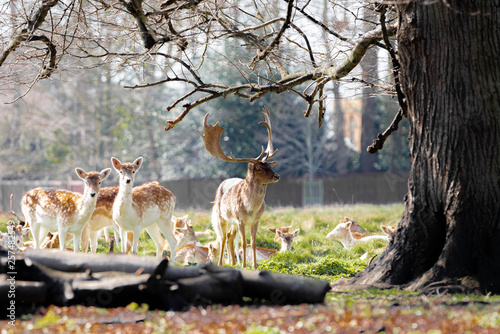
point(192, 253)
point(342, 233)
point(14, 238)
point(102, 218)
point(389, 231)
point(148, 206)
point(62, 210)
point(240, 201)
point(184, 232)
point(282, 234)
point(356, 229)
point(286, 237)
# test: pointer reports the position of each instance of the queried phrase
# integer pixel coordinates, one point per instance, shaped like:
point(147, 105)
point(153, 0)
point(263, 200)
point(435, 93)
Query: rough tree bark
point(449, 234)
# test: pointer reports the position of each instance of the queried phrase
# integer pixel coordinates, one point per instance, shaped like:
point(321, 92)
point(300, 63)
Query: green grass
point(313, 255)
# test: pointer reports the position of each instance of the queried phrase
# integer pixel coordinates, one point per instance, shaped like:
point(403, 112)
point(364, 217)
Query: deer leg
point(154, 233)
point(222, 246)
point(106, 233)
point(135, 242)
point(62, 238)
point(35, 231)
point(243, 243)
point(230, 246)
point(253, 242)
point(93, 241)
point(165, 226)
point(76, 241)
point(85, 238)
point(123, 242)
point(172, 242)
point(237, 248)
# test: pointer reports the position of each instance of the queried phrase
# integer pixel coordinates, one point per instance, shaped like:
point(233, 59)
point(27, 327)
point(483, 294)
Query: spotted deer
point(62, 210)
point(192, 253)
point(342, 233)
point(389, 231)
point(148, 206)
point(356, 229)
point(102, 219)
point(282, 235)
point(240, 201)
point(286, 237)
point(13, 239)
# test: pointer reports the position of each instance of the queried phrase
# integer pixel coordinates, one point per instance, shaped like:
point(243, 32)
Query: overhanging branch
point(30, 26)
point(378, 143)
point(288, 82)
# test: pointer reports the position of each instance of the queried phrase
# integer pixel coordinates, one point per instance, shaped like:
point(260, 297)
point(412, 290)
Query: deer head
point(256, 166)
point(92, 180)
point(127, 170)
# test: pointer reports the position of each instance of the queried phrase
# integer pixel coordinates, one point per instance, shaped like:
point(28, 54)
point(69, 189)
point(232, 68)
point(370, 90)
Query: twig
point(382, 137)
point(276, 40)
point(396, 67)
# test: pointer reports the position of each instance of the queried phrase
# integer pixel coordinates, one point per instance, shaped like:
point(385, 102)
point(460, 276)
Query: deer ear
point(272, 163)
point(385, 229)
point(251, 166)
point(138, 163)
point(116, 163)
point(81, 173)
point(105, 173)
point(272, 229)
point(348, 224)
point(296, 232)
point(279, 233)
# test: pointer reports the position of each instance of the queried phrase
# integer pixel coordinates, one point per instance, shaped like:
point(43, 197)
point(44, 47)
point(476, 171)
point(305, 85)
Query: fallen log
point(65, 278)
point(79, 262)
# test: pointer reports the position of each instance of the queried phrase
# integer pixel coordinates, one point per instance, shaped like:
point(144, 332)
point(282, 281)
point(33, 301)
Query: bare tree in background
point(448, 86)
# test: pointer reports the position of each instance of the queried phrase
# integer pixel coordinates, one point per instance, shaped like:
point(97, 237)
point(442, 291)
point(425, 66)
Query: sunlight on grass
point(313, 255)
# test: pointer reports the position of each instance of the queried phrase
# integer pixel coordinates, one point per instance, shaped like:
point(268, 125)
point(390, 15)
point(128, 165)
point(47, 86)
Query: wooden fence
point(376, 188)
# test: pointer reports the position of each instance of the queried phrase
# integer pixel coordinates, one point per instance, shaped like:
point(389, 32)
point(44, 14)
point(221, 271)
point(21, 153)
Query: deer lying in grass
point(148, 206)
point(51, 241)
point(240, 201)
point(62, 210)
point(389, 231)
point(184, 232)
point(193, 253)
point(14, 238)
point(356, 229)
point(282, 235)
point(342, 233)
point(286, 237)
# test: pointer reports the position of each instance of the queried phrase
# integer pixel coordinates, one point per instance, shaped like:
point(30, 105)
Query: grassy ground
point(392, 311)
point(313, 255)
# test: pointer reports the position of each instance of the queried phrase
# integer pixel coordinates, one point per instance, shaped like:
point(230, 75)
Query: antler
point(270, 152)
point(212, 136)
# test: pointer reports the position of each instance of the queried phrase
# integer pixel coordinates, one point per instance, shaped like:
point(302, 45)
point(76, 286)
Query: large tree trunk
point(449, 233)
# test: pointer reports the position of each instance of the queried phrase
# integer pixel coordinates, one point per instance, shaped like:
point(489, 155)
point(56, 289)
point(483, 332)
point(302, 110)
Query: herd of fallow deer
point(53, 215)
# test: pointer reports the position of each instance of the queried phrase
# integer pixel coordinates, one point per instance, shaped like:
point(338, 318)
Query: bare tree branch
point(381, 138)
point(288, 82)
point(26, 34)
point(262, 54)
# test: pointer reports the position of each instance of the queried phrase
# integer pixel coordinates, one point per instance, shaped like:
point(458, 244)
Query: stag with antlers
point(240, 201)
